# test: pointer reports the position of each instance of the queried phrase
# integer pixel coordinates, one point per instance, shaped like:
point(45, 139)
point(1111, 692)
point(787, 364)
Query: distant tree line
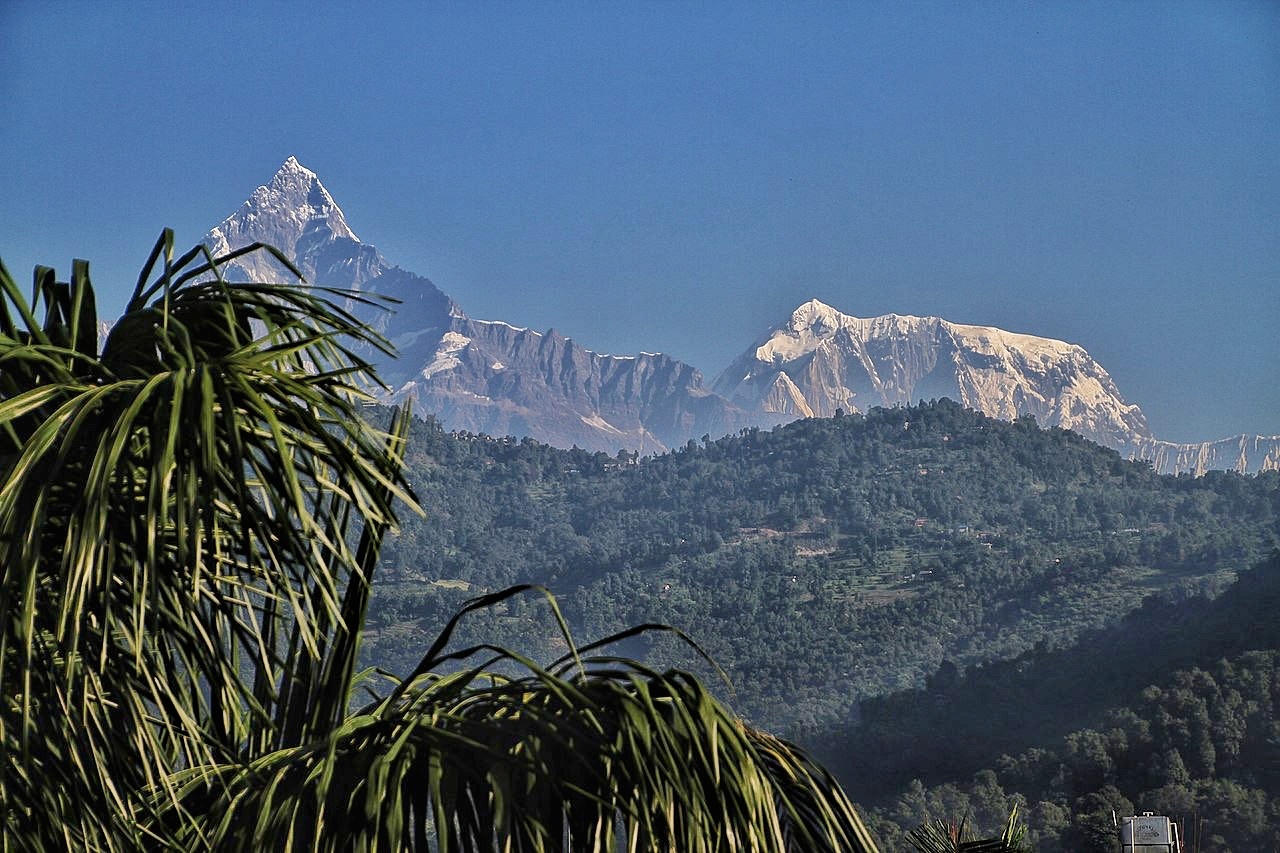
point(822, 562)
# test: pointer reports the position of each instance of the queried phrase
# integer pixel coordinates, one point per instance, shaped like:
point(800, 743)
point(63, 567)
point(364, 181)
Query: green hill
point(1175, 710)
point(820, 563)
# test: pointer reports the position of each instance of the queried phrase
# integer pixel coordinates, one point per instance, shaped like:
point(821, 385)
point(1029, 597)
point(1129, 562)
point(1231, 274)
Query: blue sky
point(678, 177)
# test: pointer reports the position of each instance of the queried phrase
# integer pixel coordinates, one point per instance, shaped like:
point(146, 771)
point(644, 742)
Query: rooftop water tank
point(1149, 833)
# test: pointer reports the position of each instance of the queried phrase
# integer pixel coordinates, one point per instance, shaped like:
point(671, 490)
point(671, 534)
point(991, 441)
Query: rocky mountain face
point(474, 375)
point(821, 360)
point(295, 213)
point(491, 377)
point(502, 380)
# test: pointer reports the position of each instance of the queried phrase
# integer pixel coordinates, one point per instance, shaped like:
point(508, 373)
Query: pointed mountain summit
point(296, 214)
point(821, 360)
point(474, 375)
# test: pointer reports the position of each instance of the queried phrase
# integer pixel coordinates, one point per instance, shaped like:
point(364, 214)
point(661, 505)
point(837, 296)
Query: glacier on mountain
point(821, 360)
point(490, 376)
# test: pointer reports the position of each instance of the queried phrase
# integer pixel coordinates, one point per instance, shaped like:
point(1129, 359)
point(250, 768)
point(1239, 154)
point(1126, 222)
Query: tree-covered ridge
point(937, 750)
point(1201, 745)
point(955, 723)
point(827, 560)
point(191, 520)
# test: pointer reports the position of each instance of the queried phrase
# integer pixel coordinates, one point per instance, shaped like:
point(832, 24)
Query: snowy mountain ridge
point(502, 379)
point(475, 375)
point(821, 360)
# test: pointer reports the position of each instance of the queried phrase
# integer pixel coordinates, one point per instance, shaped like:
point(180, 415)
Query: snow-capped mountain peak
point(816, 316)
point(815, 322)
point(296, 214)
point(493, 377)
point(820, 360)
point(286, 205)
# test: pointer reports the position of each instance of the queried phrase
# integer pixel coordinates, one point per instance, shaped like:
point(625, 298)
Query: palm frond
point(945, 836)
point(606, 756)
point(190, 522)
point(164, 505)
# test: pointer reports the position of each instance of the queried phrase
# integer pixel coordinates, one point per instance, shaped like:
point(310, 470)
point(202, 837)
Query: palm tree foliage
point(942, 836)
point(190, 519)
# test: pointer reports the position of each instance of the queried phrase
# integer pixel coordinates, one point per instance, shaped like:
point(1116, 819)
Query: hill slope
point(827, 560)
point(1175, 710)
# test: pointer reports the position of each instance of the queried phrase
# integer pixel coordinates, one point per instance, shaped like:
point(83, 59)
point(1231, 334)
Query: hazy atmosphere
point(802, 529)
point(678, 177)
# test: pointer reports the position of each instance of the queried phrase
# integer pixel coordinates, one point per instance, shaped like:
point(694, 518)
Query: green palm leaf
point(158, 517)
point(190, 519)
point(941, 836)
point(604, 755)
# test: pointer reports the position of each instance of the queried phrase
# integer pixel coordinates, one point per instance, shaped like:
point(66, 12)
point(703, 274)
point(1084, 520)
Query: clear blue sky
point(677, 177)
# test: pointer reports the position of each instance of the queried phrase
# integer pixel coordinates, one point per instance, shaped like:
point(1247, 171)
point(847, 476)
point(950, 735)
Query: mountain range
point(492, 377)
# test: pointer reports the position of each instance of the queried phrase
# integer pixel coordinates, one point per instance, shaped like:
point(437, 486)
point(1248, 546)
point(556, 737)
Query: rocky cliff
point(821, 360)
point(500, 379)
point(473, 375)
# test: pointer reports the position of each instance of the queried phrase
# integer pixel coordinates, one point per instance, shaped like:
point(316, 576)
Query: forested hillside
point(1176, 709)
point(914, 593)
point(822, 562)
point(1201, 745)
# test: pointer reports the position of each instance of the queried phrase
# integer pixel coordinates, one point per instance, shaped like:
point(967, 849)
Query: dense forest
point(844, 572)
point(1203, 746)
point(1175, 709)
point(822, 562)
